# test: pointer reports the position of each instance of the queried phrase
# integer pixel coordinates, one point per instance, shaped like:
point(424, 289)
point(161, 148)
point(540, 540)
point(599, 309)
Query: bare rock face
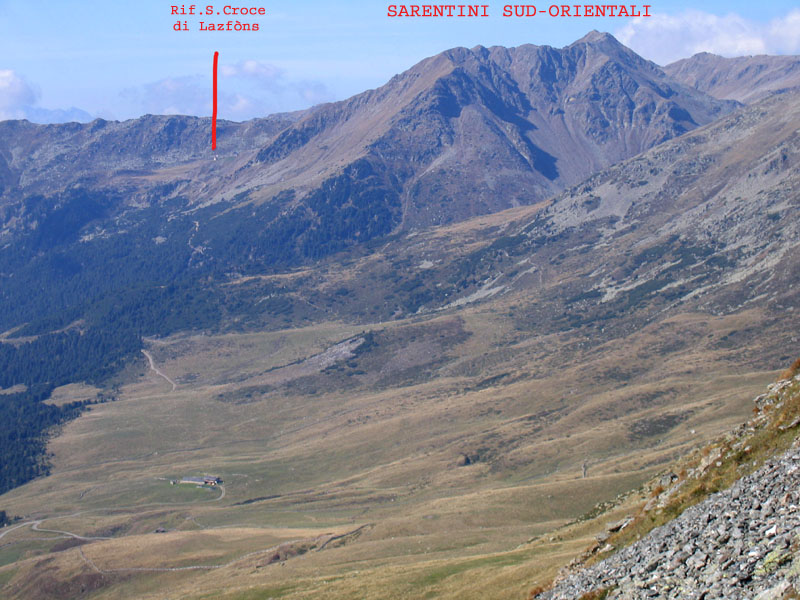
point(744, 79)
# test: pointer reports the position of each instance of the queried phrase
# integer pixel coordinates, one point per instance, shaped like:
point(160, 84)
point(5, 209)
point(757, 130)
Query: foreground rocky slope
point(738, 543)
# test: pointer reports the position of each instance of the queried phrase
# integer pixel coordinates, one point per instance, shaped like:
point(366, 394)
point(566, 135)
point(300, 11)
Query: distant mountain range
point(745, 78)
point(146, 203)
point(705, 222)
point(463, 133)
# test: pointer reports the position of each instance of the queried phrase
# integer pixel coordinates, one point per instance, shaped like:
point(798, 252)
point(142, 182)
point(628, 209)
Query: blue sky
point(64, 59)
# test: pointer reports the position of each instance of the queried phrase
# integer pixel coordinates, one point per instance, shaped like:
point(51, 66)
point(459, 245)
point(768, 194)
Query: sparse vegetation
point(600, 594)
point(791, 371)
point(536, 591)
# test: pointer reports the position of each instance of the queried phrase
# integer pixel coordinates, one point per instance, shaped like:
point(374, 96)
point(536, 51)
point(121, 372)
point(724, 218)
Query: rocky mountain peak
point(543, 117)
point(597, 37)
point(604, 44)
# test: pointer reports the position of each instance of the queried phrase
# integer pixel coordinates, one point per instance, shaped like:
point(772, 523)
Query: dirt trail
point(34, 525)
point(8, 530)
point(157, 371)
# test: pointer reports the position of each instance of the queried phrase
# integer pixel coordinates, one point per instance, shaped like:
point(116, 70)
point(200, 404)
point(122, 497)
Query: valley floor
point(433, 462)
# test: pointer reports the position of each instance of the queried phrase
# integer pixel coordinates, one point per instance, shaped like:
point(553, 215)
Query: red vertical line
point(214, 107)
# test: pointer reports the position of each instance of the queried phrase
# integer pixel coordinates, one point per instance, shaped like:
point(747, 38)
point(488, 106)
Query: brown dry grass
point(331, 459)
point(791, 371)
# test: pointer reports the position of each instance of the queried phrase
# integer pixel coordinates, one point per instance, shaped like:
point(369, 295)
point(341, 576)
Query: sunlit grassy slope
point(414, 462)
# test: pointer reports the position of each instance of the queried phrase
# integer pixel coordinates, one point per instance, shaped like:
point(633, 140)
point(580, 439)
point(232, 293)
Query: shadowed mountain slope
point(102, 207)
point(705, 222)
point(708, 221)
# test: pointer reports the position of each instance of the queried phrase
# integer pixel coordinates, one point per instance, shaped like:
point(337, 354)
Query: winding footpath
point(157, 371)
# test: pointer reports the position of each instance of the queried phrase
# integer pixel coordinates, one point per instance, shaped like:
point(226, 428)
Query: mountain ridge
point(289, 189)
point(744, 78)
point(413, 127)
point(514, 104)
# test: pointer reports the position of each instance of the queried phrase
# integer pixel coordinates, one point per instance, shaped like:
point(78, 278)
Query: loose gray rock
point(741, 543)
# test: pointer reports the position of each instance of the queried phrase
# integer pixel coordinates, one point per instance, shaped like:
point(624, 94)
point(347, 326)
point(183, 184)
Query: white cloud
point(16, 95)
point(271, 85)
point(253, 69)
point(665, 38)
point(19, 100)
point(785, 33)
point(172, 96)
point(247, 89)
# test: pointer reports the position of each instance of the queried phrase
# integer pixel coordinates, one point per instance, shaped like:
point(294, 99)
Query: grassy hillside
point(430, 445)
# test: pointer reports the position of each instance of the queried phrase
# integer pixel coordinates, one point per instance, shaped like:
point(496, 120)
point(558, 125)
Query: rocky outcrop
point(743, 542)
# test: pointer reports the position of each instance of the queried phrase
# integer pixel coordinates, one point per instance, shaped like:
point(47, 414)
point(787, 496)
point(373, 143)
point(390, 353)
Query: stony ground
point(743, 542)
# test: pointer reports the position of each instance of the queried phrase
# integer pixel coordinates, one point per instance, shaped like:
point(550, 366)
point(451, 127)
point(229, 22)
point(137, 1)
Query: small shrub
point(600, 594)
point(791, 371)
point(537, 591)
